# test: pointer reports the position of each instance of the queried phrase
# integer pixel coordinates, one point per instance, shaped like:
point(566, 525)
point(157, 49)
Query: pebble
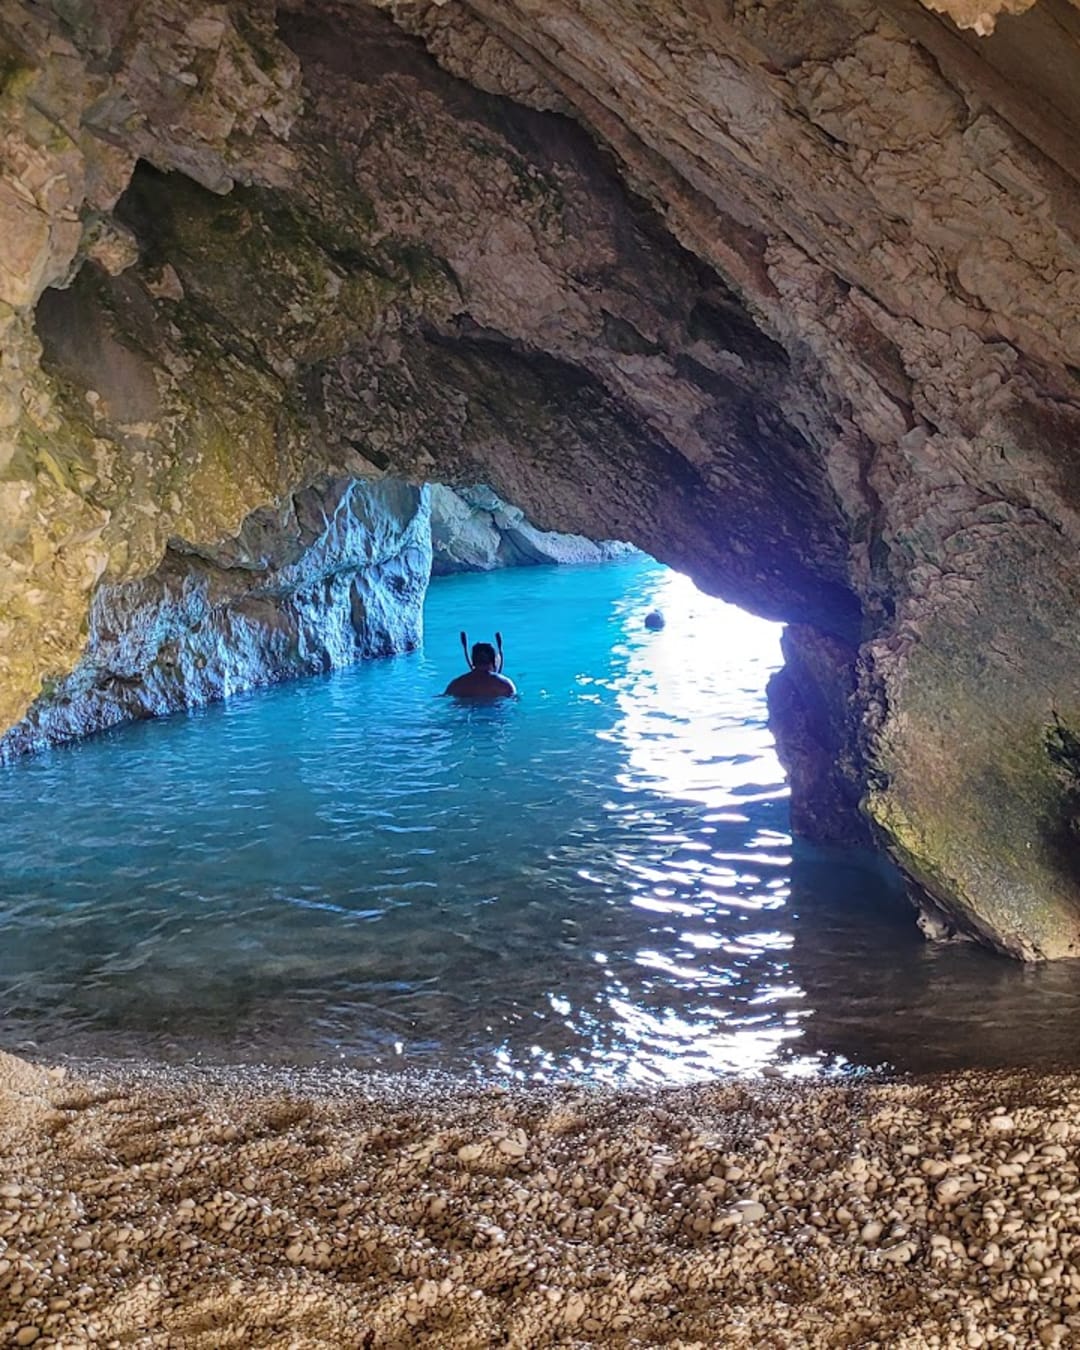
point(563, 1216)
point(899, 1251)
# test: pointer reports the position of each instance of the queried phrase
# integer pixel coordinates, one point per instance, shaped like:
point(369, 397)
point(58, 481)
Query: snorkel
point(500, 661)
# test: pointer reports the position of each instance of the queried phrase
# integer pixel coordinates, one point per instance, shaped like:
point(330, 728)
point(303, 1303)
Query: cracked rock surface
point(473, 530)
point(336, 574)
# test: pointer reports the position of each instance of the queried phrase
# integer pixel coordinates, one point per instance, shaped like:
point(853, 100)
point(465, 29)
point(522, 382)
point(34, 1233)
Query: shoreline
point(160, 1206)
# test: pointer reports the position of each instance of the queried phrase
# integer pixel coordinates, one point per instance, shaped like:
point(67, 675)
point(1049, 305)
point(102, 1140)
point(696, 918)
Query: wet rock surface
point(337, 574)
point(473, 530)
point(812, 701)
point(316, 1209)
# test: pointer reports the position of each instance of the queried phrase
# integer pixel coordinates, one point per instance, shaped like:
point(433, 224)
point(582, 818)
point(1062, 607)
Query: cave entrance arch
point(253, 343)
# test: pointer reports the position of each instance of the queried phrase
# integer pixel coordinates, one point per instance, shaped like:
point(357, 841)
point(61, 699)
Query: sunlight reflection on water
point(596, 879)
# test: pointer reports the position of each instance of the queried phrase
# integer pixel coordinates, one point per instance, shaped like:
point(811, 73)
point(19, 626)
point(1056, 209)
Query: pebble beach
point(156, 1206)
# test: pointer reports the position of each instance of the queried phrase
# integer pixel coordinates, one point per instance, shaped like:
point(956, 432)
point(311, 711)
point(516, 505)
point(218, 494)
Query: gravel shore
point(213, 1208)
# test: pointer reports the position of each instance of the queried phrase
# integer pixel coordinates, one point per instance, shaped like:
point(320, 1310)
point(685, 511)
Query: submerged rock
point(474, 530)
point(337, 573)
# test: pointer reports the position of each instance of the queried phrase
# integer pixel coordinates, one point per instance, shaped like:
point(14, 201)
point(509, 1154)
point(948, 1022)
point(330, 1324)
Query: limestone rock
point(473, 530)
point(336, 574)
point(812, 703)
point(981, 15)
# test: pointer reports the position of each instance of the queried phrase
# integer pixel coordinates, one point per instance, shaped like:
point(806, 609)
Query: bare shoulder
point(480, 684)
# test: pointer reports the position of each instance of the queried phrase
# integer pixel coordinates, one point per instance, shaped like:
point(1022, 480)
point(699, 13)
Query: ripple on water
point(597, 879)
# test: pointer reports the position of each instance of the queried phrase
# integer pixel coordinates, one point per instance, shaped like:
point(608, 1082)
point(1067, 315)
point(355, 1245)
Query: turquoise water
point(595, 879)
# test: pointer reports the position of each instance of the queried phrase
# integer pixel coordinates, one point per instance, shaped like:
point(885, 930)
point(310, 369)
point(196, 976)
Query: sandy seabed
point(151, 1206)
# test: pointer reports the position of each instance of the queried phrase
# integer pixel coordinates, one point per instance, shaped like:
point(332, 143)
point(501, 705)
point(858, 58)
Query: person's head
point(483, 656)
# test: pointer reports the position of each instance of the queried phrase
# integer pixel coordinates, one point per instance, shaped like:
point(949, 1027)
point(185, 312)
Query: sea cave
point(320, 315)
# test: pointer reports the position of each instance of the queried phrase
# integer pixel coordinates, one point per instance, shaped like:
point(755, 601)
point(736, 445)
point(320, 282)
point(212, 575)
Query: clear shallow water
point(596, 879)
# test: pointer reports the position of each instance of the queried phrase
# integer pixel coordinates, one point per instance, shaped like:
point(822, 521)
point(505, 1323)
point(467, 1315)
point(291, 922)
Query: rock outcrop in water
point(474, 530)
point(785, 294)
point(335, 574)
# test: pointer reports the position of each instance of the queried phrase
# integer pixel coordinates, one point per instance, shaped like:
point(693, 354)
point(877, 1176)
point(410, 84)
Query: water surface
point(596, 879)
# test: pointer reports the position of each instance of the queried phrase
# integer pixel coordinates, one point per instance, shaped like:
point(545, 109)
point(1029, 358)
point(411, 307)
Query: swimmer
point(654, 619)
point(485, 678)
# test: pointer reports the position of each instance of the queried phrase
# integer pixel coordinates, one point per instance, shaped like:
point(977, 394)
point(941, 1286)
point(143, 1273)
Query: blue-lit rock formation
point(335, 574)
point(474, 530)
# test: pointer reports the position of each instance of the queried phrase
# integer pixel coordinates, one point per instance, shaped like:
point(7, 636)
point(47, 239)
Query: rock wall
point(785, 294)
point(813, 713)
point(474, 530)
point(335, 574)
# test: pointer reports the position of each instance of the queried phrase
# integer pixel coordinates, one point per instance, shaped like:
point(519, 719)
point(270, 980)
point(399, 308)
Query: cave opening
point(234, 354)
point(420, 285)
